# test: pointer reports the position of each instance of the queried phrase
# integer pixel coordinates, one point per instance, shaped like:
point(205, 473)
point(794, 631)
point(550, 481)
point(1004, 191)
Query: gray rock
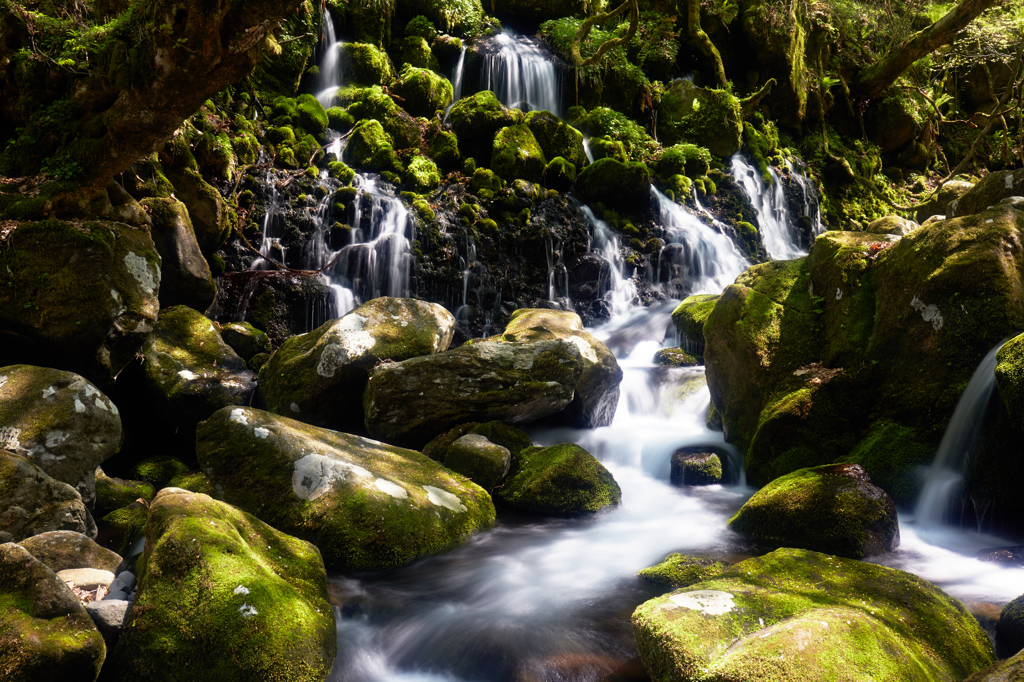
point(32, 502)
point(87, 579)
point(60, 422)
point(115, 595)
point(892, 224)
point(989, 191)
point(109, 616)
point(124, 581)
point(185, 277)
point(478, 459)
point(64, 549)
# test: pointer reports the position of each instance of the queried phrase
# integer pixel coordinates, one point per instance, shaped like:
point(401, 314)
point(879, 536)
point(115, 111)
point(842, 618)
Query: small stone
point(109, 615)
point(478, 459)
point(86, 578)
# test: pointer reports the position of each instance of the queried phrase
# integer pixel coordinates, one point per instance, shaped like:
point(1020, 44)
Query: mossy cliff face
point(560, 480)
point(45, 632)
point(85, 293)
point(319, 377)
point(60, 422)
point(223, 595)
point(367, 505)
point(796, 614)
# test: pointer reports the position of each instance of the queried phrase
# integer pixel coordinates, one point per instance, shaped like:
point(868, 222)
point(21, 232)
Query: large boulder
point(222, 595)
point(516, 154)
point(190, 372)
point(680, 570)
point(597, 393)
point(366, 504)
point(319, 377)
point(989, 191)
point(185, 277)
point(478, 459)
point(423, 91)
point(45, 633)
point(84, 293)
point(800, 615)
point(833, 509)
point(615, 183)
point(64, 549)
point(58, 421)
point(245, 339)
point(212, 218)
point(364, 64)
point(476, 119)
point(33, 502)
point(557, 138)
point(410, 402)
point(689, 318)
point(709, 118)
point(560, 480)
point(369, 148)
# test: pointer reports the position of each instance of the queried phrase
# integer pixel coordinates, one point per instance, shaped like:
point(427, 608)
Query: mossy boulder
point(560, 480)
point(274, 302)
point(113, 493)
point(557, 138)
point(443, 148)
point(498, 432)
point(245, 339)
point(212, 217)
point(365, 64)
point(190, 372)
point(708, 118)
point(1010, 628)
point(689, 318)
point(159, 470)
point(369, 148)
point(194, 481)
point(695, 466)
point(223, 595)
point(366, 504)
point(413, 401)
point(939, 204)
point(989, 191)
point(476, 120)
point(45, 630)
point(404, 131)
point(60, 422)
point(615, 127)
point(424, 91)
point(64, 549)
point(129, 524)
point(33, 502)
point(516, 155)
point(680, 570)
point(478, 459)
point(485, 182)
point(310, 115)
point(891, 225)
point(797, 614)
point(558, 175)
point(185, 277)
point(415, 51)
point(602, 147)
point(421, 175)
point(86, 293)
point(319, 377)
point(615, 184)
point(597, 393)
point(1010, 378)
point(675, 357)
point(832, 508)
point(683, 159)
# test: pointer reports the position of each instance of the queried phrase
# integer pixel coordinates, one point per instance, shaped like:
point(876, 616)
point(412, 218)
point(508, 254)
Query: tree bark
point(876, 78)
point(634, 21)
point(703, 41)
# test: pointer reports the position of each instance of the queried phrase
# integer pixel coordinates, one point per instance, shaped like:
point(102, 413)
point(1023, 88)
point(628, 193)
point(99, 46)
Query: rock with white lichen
point(60, 422)
point(800, 615)
point(64, 549)
point(222, 595)
point(367, 505)
point(319, 377)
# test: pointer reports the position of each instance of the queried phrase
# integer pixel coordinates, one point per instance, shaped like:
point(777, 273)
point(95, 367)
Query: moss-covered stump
point(1010, 628)
point(365, 64)
point(185, 277)
point(832, 508)
point(60, 422)
point(45, 633)
point(478, 459)
point(190, 372)
point(516, 155)
point(891, 225)
point(557, 138)
point(476, 119)
point(32, 502)
point(369, 148)
point(245, 339)
point(689, 318)
point(560, 480)
point(367, 505)
point(424, 91)
point(709, 118)
point(1009, 670)
point(615, 184)
point(222, 595)
point(680, 570)
point(86, 293)
point(988, 192)
point(319, 377)
point(795, 614)
point(695, 466)
point(597, 393)
point(410, 402)
point(64, 549)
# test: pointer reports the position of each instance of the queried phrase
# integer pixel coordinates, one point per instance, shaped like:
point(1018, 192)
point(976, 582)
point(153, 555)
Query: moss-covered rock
point(129, 522)
point(245, 339)
point(1010, 628)
point(415, 51)
point(557, 138)
point(190, 372)
point(222, 594)
point(424, 91)
point(185, 277)
point(516, 154)
point(34, 503)
point(476, 120)
point(368, 505)
point(60, 422)
point(45, 631)
point(832, 508)
point(369, 148)
point(615, 184)
point(159, 470)
point(443, 148)
point(485, 183)
point(894, 455)
point(319, 377)
point(796, 614)
point(683, 159)
point(310, 115)
point(560, 480)
point(988, 192)
point(114, 493)
point(708, 118)
point(86, 293)
point(212, 217)
point(675, 357)
point(695, 466)
point(413, 401)
point(421, 175)
point(478, 459)
point(274, 302)
point(558, 175)
point(689, 318)
point(612, 126)
point(458, 17)
point(500, 433)
point(680, 570)
point(891, 225)
point(602, 147)
point(194, 481)
point(64, 549)
point(405, 131)
point(365, 64)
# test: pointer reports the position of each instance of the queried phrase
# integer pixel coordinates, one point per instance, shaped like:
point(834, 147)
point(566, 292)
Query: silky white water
point(329, 79)
point(519, 69)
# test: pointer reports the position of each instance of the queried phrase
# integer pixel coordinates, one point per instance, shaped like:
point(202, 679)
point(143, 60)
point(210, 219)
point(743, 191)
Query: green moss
point(115, 493)
point(678, 570)
point(422, 27)
point(365, 64)
point(424, 91)
point(476, 119)
point(310, 114)
point(683, 159)
point(415, 51)
point(340, 171)
point(689, 318)
point(130, 521)
point(443, 148)
point(158, 470)
point(194, 481)
point(485, 183)
point(516, 154)
point(602, 147)
point(894, 456)
point(615, 184)
point(497, 432)
point(369, 148)
point(709, 118)
point(559, 175)
point(557, 138)
point(560, 480)
point(374, 103)
point(340, 120)
point(421, 175)
point(675, 357)
point(611, 125)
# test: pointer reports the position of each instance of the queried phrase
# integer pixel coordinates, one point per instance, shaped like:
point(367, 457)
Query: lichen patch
point(586, 350)
point(315, 475)
point(443, 498)
point(710, 602)
point(139, 269)
point(929, 312)
point(239, 416)
point(393, 489)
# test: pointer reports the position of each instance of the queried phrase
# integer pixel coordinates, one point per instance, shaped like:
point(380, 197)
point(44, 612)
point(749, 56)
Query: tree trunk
point(703, 41)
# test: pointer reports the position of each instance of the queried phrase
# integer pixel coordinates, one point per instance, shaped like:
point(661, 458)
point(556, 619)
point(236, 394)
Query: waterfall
point(699, 258)
point(779, 231)
point(458, 74)
point(519, 69)
point(944, 480)
point(622, 292)
point(329, 80)
point(812, 205)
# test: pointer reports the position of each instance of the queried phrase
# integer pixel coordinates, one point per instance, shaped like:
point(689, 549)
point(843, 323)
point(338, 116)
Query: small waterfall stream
point(519, 69)
point(329, 79)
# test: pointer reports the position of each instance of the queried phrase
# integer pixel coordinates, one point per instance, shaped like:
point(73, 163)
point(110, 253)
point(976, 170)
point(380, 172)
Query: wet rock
point(225, 595)
point(809, 616)
point(369, 148)
point(832, 508)
point(245, 339)
point(60, 422)
point(478, 459)
point(695, 466)
point(366, 504)
point(415, 400)
point(109, 616)
point(64, 549)
point(1010, 378)
point(675, 357)
point(282, 304)
point(1010, 628)
point(130, 523)
point(709, 118)
point(114, 493)
point(476, 119)
point(424, 91)
point(615, 184)
point(560, 480)
point(893, 225)
point(194, 481)
point(319, 377)
point(557, 138)
point(185, 277)
point(402, 130)
point(516, 154)
point(47, 632)
point(33, 502)
point(85, 294)
point(988, 193)
point(680, 570)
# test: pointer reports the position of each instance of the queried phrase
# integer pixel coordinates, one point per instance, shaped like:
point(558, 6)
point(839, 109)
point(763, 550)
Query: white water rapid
point(519, 69)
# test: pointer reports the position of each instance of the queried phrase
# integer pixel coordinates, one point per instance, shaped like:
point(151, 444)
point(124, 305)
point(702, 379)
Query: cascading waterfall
point(622, 290)
point(945, 478)
point(518, 69)
point(458, 73)
point(329, 79)
point(811, 200)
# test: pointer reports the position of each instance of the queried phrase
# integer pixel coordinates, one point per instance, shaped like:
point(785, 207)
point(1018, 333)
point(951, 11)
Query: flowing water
point(519, 69)
point(329, 79)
